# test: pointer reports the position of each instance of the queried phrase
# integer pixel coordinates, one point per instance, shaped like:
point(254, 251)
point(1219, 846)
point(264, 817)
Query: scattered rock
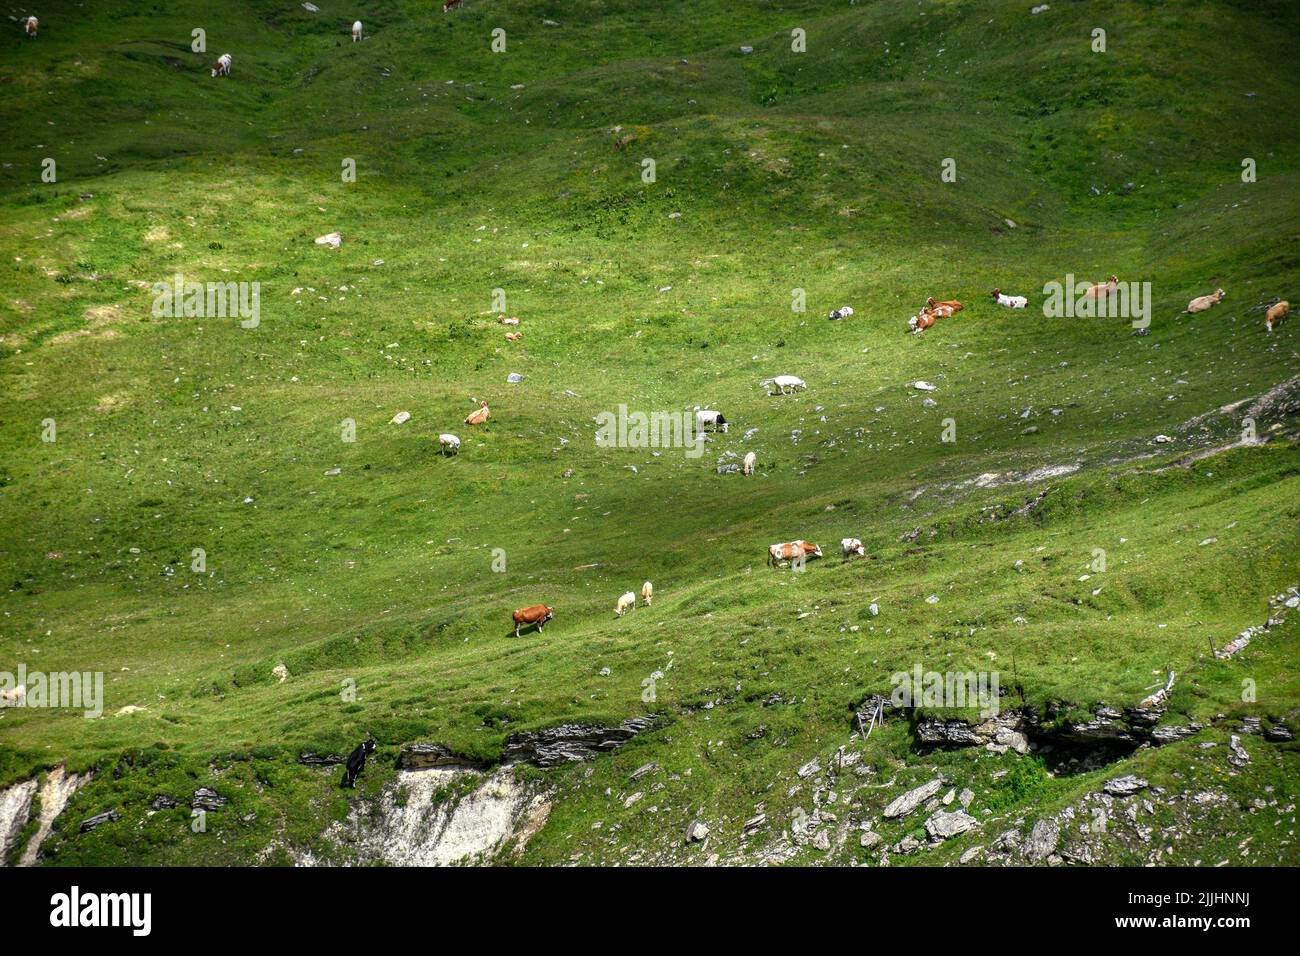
point(1043, 839)
point(401, 418)
point(163, 802)
point(696, 831)
point(943, 826)
point(99, 819)
point(332, 239)
point(1124, 786)
point(909, 801)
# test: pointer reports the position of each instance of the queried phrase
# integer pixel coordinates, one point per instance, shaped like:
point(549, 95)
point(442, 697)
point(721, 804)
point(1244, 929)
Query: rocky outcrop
point(57, 790)
point(943, 826)
point(570, 743)
point(99, 819)
point(424, 756)
point(445, 815)
point(15, 807)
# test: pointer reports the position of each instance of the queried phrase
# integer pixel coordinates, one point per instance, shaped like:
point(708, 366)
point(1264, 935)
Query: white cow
point(30, 26)
point(647, 593)
point(13, 698)
point(356, 31)
point(1010, 301)
point(843, 312)
point(626, 603)
point(449, 444)
point(783, 382)
point(748, 467)
point(852, 546)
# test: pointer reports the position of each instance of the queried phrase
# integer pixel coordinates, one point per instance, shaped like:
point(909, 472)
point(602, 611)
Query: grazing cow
point(783, 382)
point(843, 312)
point(356, 31)
point(449, 444)
point(514, 336)
point(792, 550)
point(479, 415)
point(357, 763)
point(748, 467)
point(705, 417)
point(1010, 301)
point(451, 5)
point(30, 25)
point(1099, 292)
point(504, 321)
point(1203, 302)
point(13, 698)
point(222, 66)
point(625, 603)
point(647, 593)
point(1274, 316)
point(921, 321)
point(538, 614)
point(851, 547)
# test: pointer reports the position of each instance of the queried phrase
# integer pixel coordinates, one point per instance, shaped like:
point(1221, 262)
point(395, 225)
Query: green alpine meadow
point(339, 342)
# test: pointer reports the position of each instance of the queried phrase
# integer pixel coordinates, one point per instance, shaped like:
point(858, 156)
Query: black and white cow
point(356, 763)
point(706, 417)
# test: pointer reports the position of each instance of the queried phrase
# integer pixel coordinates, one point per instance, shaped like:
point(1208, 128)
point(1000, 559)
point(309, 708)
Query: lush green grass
point(818, 171)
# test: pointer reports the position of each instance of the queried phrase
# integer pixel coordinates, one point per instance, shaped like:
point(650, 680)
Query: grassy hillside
point(521, 171)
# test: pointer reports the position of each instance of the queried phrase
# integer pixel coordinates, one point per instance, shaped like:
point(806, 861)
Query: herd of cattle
point(792, 551)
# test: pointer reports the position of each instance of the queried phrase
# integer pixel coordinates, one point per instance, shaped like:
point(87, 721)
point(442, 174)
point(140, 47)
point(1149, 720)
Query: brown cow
point(538, 614)
point(792, 550)
point(480, 415)
point(1274, 316)
point(31, 25)
point(451, 5)
point(1101, 291)
point(921, 321)
point(942, 310)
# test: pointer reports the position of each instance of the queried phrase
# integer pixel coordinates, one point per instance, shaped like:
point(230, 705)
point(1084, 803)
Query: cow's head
point(550, 613)
point(996, 293)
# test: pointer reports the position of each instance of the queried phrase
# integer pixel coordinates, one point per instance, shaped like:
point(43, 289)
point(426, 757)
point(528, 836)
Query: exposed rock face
point(55, 794)
point(163, 802)
point(570, 743)
point(909, 801)
point(443, 815)
point(15, 805)
point(205, 798)
point(423, 756)
point(311, 759)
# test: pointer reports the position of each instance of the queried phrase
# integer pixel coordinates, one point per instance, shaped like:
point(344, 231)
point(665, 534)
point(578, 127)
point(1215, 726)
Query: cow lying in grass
point(538, 614)
point(1203, 302)
point(1010, 301)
